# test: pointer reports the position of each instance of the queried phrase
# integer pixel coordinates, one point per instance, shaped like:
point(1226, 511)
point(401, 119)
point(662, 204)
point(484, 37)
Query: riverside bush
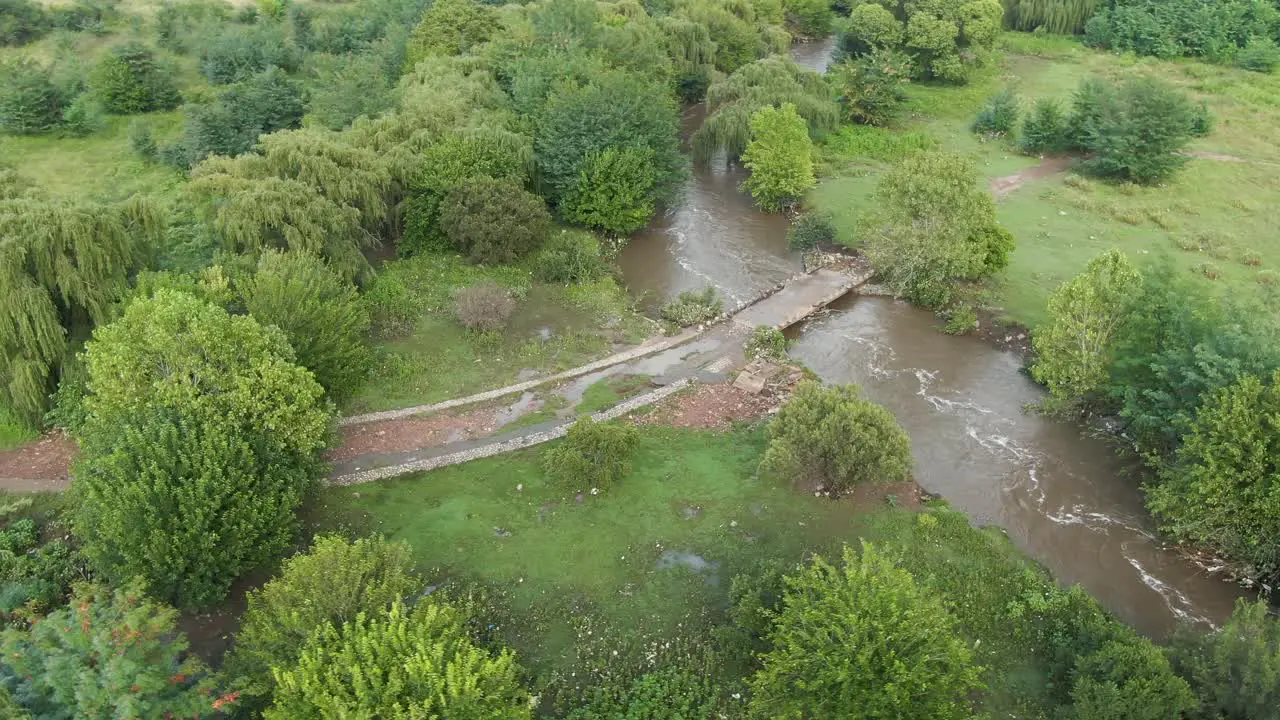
point(766, 342)
point(811, 230)
point(593, 455)
point(692, 307)
point(833, 438)
point(570, 257)
point(1234, 670)
point(494, 221)
point(863, 640)
point(780, 158)
point(614, 191)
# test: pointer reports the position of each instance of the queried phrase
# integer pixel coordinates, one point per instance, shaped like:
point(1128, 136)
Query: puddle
point(526, 404)
point(671, 559)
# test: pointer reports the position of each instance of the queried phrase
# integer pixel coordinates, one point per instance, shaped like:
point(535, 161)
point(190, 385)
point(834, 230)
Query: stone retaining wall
point(515, 443)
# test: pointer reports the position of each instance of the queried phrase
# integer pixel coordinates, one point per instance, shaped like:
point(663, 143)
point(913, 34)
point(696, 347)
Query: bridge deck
point(800, 298)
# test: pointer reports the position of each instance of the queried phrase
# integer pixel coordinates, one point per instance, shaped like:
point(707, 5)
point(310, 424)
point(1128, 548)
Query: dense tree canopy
point(934, 224)
point(62, 264)
point(202, 439)
point(129, 80)
point(614, 192)
point(780, 158)
point(862, 640)
point(331, 584)
point(451, 27)
point(399, 663)
point(1235, 669)
point(945, 39)
point(773, 81)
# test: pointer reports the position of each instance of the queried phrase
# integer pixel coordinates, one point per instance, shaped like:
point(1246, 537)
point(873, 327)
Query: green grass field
point(650, 561)
point(554, 328)
point(1214, 216)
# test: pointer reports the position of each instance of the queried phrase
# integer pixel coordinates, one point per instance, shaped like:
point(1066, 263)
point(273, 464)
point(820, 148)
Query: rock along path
point(706, 354)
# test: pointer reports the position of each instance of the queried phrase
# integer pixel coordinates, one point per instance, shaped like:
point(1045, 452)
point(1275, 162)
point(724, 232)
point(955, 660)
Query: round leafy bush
point(692, 307)
point(592, 455)
point(570, 257)
point(29, 101)
point(766, 342)
point(811, 230)
point(1044, 130)
point(485, 307)
point(494, 221)
point(130, 80)
point(999, 116)
point(831, 437)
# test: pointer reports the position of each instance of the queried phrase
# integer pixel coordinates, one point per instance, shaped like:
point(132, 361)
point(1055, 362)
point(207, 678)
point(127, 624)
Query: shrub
point(494, 221)
point(1234, 670)
point(205, 414)
point(332, 583)
point(593, 455)
point(419, 663)
point(934, 224)
point(961, 320)
point(29, 101)
point(319, 312)
point(129, 80)
point(232, 124)
point(860, 641)
point(1044, 130)
point(1074, 348)
point(392, 309)
point(1201, 120)
point(84, 116)
point(570, 257)
point(141, 141)
point(240, 52)
point(1260, 55)
point(671, 693)
point(486, 307)
point(22, 21)
point(614, 192)
point(779, 156)
point(835, 439)
point(107, 654)
point(37, 568)
point(692, 307)
point(446, 164)
point(1136, 131)
point(811, 230)
point(766, 342)
point(451, 27)
point(998, 116)
point(1128, 680)
point(872, 87)
point(1217, 492)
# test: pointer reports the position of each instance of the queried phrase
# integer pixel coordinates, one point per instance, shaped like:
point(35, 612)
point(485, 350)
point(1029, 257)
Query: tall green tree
point(1135, 131)
point(1086, 316)
point(62, 265)
point(863, 640)
point(29, 101)
point(451, 27)
point(202, 437)
point(614, 192)
point(319, 312)
point(1234, 670)
point(400, 663)
point(1223, 488)
point(330, 584)
point(107, 654)
point(780, 158)
point(835, 439)
point(616, 110)
point(773, 81)
point(129, 80)
point(946, 39)
point(934, 223)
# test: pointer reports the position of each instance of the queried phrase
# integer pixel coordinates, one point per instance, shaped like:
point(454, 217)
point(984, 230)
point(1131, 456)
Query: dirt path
point(1051, 165)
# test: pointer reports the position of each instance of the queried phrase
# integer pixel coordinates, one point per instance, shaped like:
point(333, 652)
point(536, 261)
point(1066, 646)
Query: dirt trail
point(1052, 165)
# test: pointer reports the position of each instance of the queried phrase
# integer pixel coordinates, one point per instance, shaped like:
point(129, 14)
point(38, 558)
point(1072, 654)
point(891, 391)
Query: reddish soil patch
point(710, 406)
point(1000, 187)
point(412, 433)
point(42, 465)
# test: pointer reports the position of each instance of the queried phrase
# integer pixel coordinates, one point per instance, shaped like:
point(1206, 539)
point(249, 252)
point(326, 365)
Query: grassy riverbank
point(1214, 215)
point(571, 581)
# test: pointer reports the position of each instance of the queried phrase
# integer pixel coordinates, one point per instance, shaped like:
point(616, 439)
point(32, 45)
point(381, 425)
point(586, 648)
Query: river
point(1062, 497)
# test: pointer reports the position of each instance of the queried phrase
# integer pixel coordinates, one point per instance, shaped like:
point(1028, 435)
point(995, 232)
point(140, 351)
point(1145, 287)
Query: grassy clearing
point(607, 392)
point(617, 570)
point(1213, 216)
point(554, 328)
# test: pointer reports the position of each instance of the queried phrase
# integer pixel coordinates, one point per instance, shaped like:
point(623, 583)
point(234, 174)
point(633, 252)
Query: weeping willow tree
point(764, 83)
point(62, 265)
point(692, 53)
point(1055, 16)
point(252, 214)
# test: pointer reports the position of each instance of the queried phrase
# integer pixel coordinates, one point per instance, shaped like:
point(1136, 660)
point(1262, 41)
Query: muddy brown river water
point(1061, 497)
